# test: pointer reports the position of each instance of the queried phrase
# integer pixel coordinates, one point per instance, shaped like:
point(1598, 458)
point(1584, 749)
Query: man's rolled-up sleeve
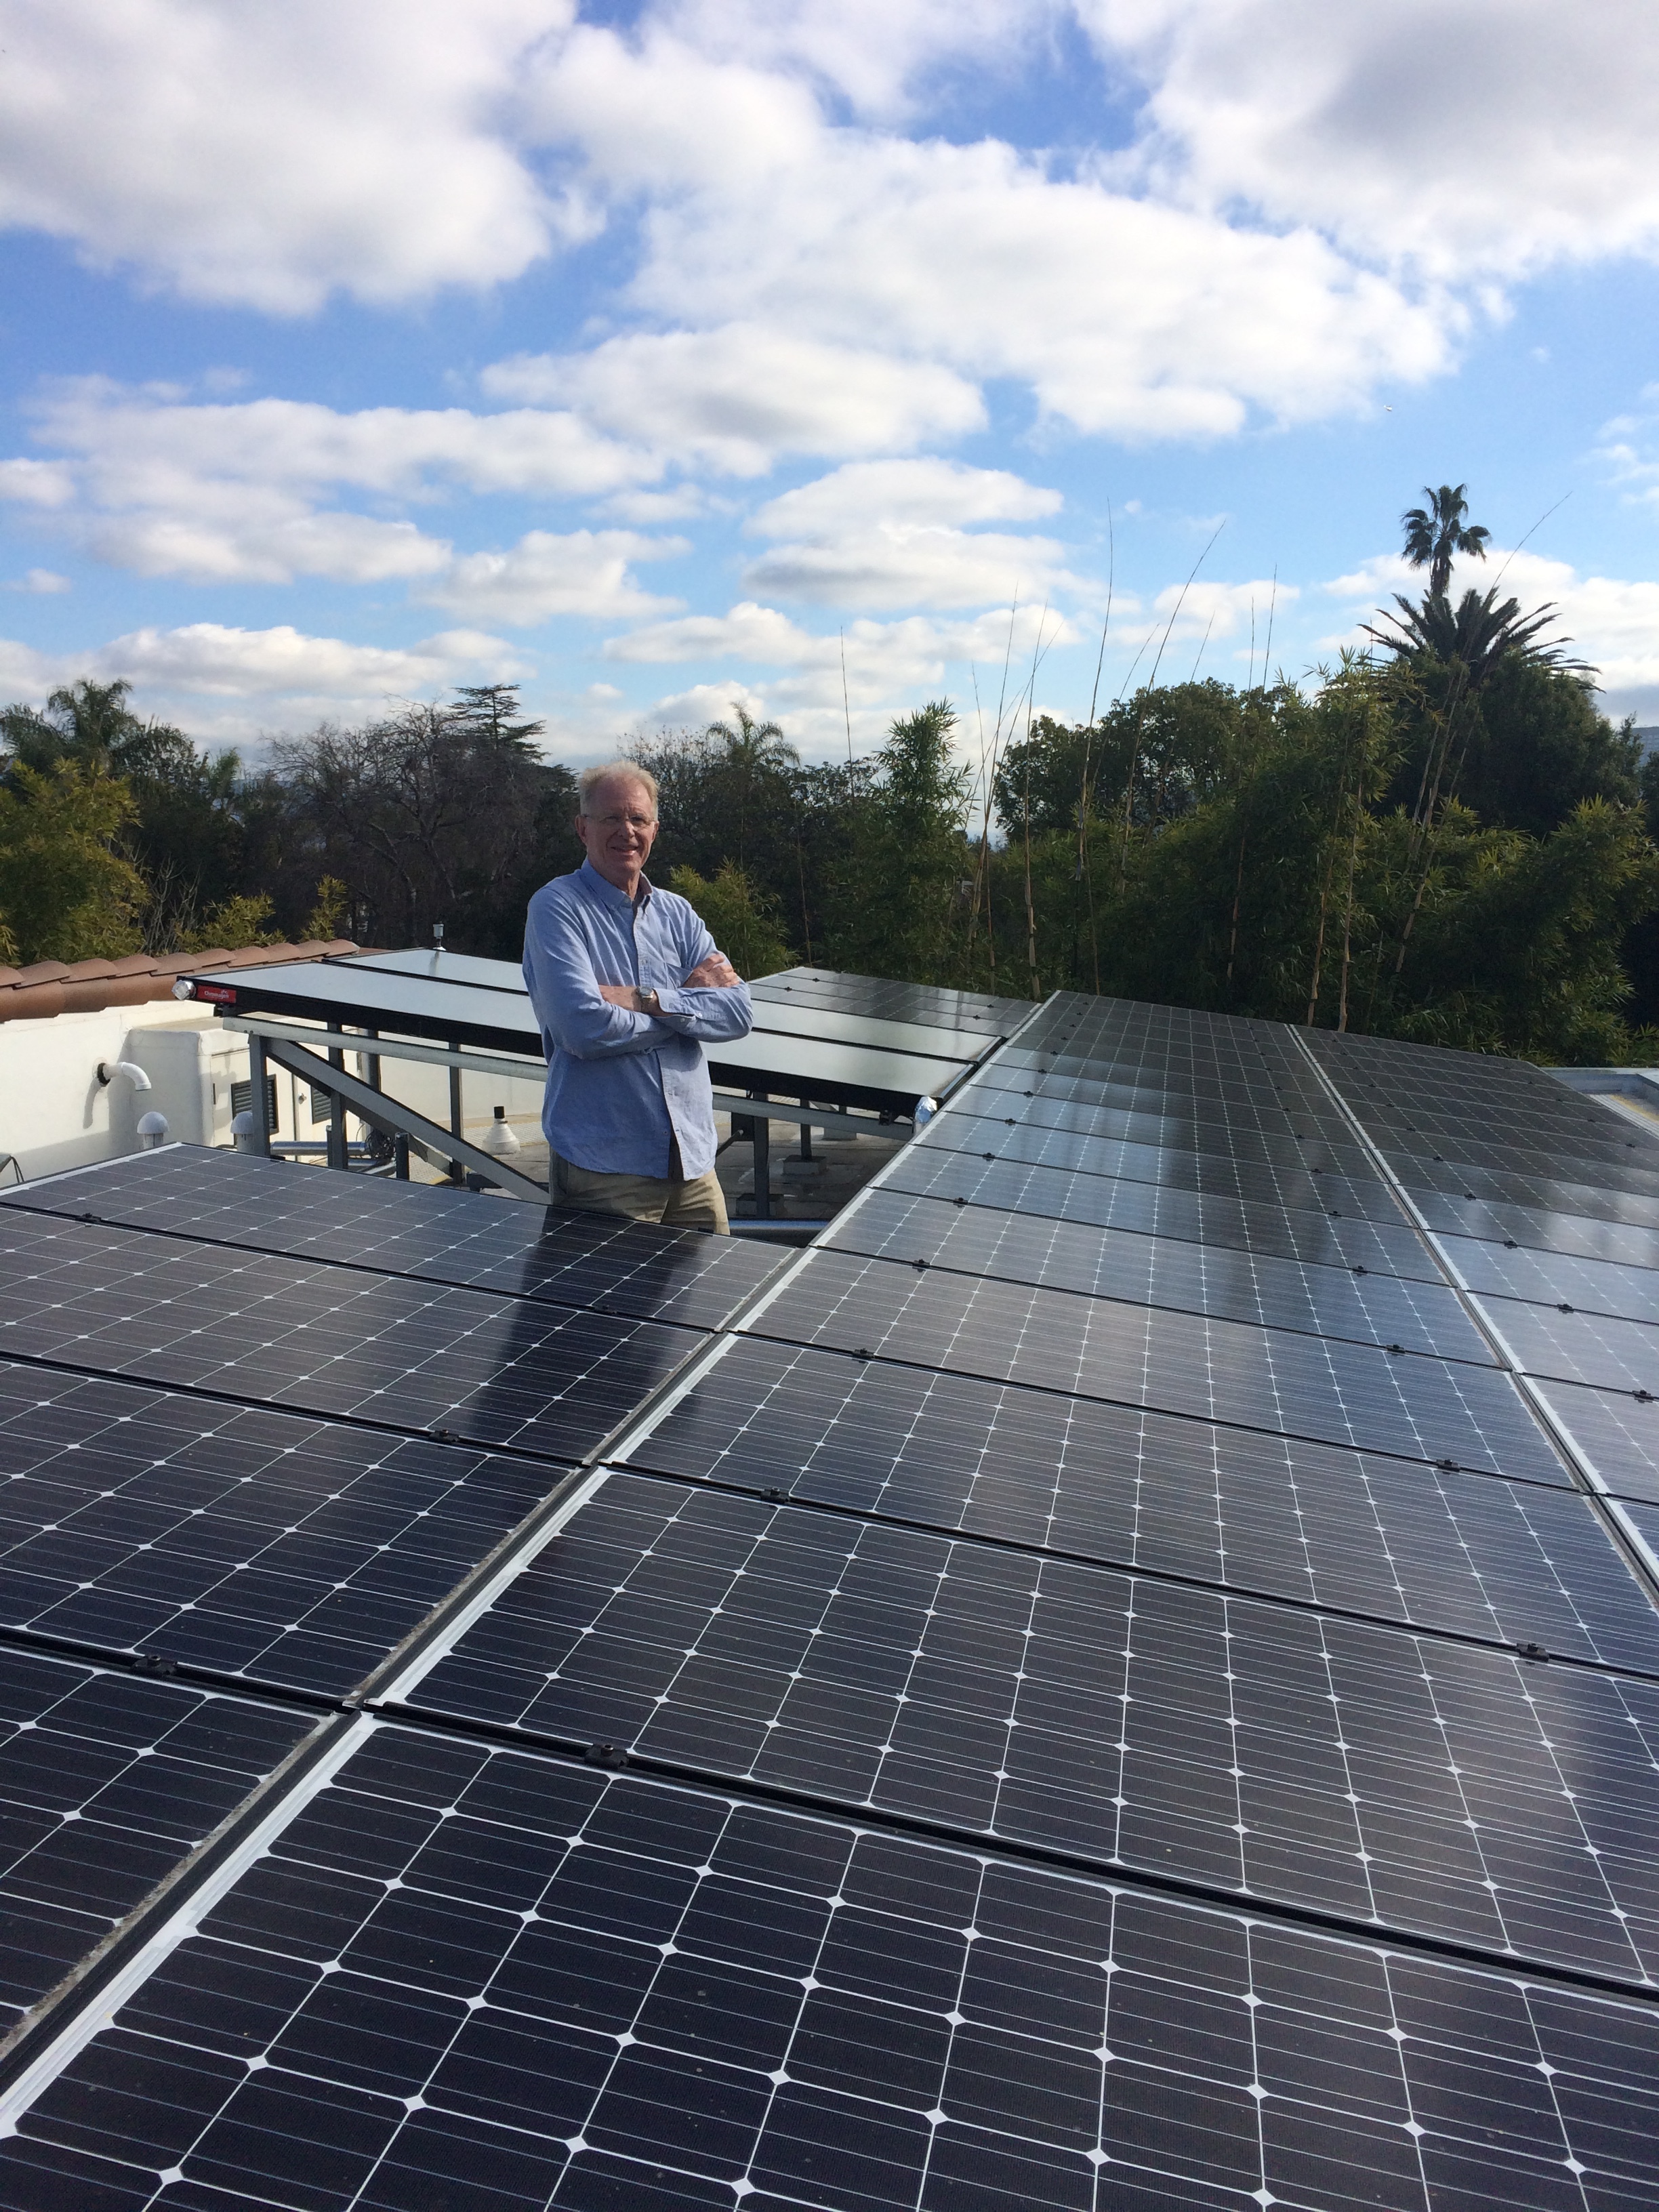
point(711, 1014)
point(564, 991)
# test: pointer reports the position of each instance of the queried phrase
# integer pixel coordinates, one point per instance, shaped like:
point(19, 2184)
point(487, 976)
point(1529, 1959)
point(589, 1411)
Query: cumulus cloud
point(230, 493)
point(583, 572)
point(1434, 133)
point(266, 157)
point(904, 492)
point(878, 657)
point(736, 399)
point(40, 583)
point(1221, 611)
point(222, 681)
point(898, 566)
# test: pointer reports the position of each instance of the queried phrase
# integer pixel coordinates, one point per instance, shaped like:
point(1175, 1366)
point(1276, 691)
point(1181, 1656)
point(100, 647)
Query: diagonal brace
point(395, 1119)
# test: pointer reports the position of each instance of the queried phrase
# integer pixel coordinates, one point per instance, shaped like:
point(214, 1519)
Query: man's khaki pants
point(671, 1200)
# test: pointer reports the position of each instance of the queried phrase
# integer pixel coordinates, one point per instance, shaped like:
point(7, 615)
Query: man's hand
point(716, 973)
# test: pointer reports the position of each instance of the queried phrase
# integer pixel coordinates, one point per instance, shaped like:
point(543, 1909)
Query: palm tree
point(1435, 534)
point(1476, 635)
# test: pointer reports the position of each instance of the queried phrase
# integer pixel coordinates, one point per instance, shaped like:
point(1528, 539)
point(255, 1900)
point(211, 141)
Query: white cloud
point(269, 156)
point(881, 660)
point(229, 682)
point(904, 492)
point(735, 398)
point(904, 566)
point(36, 484)
point(583, 572)
point(1222, 611)
point(1437, 133)
point(223, 494)
point(39, 582)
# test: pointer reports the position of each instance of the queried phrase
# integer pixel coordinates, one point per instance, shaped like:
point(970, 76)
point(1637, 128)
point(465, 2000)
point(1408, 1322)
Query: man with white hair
point(626, 984)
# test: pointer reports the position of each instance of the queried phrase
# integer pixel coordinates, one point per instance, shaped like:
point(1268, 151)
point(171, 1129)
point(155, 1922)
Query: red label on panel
point(219, 994)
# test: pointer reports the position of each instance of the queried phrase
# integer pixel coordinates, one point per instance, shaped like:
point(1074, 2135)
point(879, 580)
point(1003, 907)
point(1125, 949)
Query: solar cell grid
point(1434, 1186)
point(1154, 1209)
point(229, 1537)
point(1532, 1149)
point(1574, 1347)
point(1179, 1362)
point(1510, 1562)
point(1603, 1234)
point(106, 1782)
point(978, 1241)
point(1210, 1175)
point(1604, 1286)
point(1427, 1787)
point(475, 1976)
point(1169, 1129)
point(1257, 1129)
point(327, 1339)
point(603, 1262)
point(1614, 1430)
point(885, 1000)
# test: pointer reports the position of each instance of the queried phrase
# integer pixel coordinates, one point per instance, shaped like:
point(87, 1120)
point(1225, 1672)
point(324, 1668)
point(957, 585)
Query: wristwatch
point(648, 1001)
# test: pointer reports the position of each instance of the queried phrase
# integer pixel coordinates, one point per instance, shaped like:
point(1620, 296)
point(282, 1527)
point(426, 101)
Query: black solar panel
point(292, 1552)
point(1621, 1355)
point(1615, 1430)
point(1256, 1182)
point(1232, 1285)
point(1150, 1209)
point(883, 1000)
point(601, 1262)
point(471, 1977)
point(107, 1781)
point(1171, 1523)
point(1126, 1721)
point(1552, 1278)
point(1346, 1531)
point(329, 1340)
point(1181, 1363)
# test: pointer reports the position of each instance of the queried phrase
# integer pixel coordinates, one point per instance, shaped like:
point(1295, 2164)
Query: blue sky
point(658, 356)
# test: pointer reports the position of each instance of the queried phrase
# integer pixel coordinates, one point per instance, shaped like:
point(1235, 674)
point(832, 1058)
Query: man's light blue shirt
point(622, 1086)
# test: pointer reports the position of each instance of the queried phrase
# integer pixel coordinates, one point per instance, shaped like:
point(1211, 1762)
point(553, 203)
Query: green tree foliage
point(899, 896)
point(66, 891)
point(433, 814)
point(741, 918)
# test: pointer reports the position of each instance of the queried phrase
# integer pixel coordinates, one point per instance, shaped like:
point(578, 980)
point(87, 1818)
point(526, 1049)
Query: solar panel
point(1327, 1301)
point(1346, 1531)
point(293, 1552)
point(1180, 1363)
point(1153, 1209)
point(470, 1976)
point(327, 1339)
point(1114, 1539)
point(602, 1261)
point(1125, 1721)
point(1550, 1278)
point(1621, 1355)
point(1255, 1182)
point(881, 1000)
point(107, 1781)
point(1614, 1430)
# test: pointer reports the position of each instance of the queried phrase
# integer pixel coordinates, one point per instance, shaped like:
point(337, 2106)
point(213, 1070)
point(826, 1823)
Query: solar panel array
point(1127, 1676)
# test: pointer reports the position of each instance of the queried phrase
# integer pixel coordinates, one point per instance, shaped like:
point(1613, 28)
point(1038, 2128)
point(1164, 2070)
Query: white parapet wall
point(56, 1115)
point(54, 1112)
